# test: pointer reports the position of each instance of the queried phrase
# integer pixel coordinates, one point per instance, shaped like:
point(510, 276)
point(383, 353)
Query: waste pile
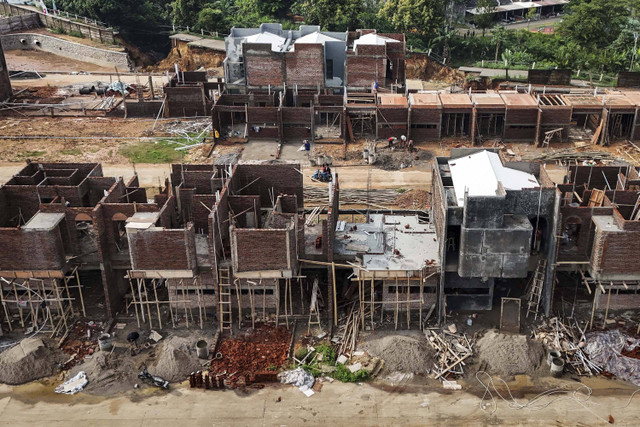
point(452, 349)
point(568, 339)
point(81, 341)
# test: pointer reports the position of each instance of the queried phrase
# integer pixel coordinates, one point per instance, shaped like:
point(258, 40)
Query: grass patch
point(151, 152)
point(30, 154)
point(71, 152)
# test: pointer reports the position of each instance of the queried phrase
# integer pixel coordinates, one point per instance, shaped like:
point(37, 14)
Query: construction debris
point(452, 350)
point(569, 340)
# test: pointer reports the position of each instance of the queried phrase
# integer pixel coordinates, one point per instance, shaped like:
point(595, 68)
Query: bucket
point(551, 355)
point(203, 349)
point(557, 366)
point(365, 153)
point(104, 342)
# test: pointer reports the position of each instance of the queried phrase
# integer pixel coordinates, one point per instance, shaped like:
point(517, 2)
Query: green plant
point(329, 354)
point(76, 34)
point(58, 30)
point(272, 368)
point(401, 190)
point(301, 353)
point(343, 374)
point(31, 154)
point(312, 368)
point(151, 152)
point(71, 152)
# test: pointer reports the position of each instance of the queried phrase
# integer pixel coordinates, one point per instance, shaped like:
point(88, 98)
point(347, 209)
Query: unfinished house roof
point(316, 38)
point(425, 99)
point(518, 100)
point(378, 240)
point(455, 100)
point(44, 221)
point(373, 39)
point(392, 99)
point(482, 173)
point(277, 43)
point(488, 99)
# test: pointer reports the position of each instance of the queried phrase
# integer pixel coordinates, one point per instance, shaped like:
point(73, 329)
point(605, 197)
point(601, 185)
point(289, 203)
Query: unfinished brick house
point(599, 229)
point(74, 219)
point(306, 83)
point(496, 224)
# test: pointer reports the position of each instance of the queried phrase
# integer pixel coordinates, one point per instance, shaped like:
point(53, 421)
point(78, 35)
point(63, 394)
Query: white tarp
point(480, 173)
point(73, 385)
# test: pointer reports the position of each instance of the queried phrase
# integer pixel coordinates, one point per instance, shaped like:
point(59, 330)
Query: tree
point(424, 17)
point(486, 10)
point(215, 16)
point(445, 37)
point(185, 12)
point(331, 15)
point(594, 24)
point(531, 15)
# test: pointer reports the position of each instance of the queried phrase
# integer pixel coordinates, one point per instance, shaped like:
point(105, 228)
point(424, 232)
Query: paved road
point(337, 404)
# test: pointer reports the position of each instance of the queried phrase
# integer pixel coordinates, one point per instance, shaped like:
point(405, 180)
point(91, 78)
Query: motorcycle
point(153, 379)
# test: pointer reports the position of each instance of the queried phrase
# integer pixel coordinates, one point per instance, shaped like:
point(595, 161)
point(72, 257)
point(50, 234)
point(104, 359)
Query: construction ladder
point(224, 297)
point(535, 291)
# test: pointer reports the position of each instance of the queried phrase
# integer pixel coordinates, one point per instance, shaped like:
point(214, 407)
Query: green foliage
point(76, 34)
point(150, 152)
point(423, 17)
point(301, 353)
point(342, 373)
point(58, 30)
point(329, 354)
point(337, 15)
point(185, 12)
point(594, 24)
point(485, 19)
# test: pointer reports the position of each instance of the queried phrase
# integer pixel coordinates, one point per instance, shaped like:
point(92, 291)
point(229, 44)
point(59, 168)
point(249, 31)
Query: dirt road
point(350, 176)
point(280, 405)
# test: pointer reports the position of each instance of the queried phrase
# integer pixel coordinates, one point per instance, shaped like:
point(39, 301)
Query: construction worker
point(403, 140)
point(411, 145)
point(390, 142)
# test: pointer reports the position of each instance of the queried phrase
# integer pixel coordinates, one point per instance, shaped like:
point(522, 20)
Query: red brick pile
point(80, 344)
point(255, 357)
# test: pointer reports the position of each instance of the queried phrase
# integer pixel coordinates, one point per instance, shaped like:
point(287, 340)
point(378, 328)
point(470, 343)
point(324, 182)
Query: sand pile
point(27, 361)
point(402, 353)
point(509, 355)
point(176, 359)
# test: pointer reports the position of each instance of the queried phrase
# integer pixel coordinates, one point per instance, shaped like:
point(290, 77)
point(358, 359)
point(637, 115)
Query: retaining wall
point(19, 23)
point(80, 52)
point(93, 32)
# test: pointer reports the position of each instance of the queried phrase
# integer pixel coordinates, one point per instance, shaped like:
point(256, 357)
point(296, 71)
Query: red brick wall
point(262, 249)
point(31, 250)
point(612, 253)
point(363, 71)
point(305, 65)
point(163, 249)
point(263, 66)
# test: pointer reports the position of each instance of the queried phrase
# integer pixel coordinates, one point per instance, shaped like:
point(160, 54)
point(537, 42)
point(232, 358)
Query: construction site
point(296, 207)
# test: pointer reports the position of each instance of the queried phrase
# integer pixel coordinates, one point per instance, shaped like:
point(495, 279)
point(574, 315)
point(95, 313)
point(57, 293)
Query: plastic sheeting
point(603, 349)
point(298, 378)
point(73, 385)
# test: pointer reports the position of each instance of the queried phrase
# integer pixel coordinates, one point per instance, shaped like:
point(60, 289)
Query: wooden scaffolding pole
point(395, 316)
point(408, 304)
point(335, 298)
point(84, 312)
point(372, 304)
point(155, 293)
point(135, 304)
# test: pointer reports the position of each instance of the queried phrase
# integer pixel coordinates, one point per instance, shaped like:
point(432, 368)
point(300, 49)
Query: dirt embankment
point(190, 58)
point(419, 66)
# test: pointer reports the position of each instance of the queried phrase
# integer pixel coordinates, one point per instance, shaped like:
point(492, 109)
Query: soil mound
point(509, 355)
point(402, 353)
point(28, 361)
point(176, 359)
